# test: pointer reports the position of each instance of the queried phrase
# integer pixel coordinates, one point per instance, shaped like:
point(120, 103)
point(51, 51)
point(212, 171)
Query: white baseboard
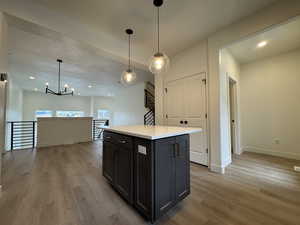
point(217, 169)
point(288, 155)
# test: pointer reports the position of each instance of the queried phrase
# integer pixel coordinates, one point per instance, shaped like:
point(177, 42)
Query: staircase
point(149, 117)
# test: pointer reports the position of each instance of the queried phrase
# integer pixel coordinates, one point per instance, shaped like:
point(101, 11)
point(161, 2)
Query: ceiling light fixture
point(262, 44)
point(32, 78)
point(128, 77)
point(159, 62)
point(59, 91)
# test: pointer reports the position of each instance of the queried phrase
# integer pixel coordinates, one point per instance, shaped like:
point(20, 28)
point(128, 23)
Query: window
point(69, 114)
point(103, 114)
point(43, 113)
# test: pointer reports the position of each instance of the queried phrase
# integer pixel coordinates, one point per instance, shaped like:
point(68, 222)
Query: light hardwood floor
point(64, 186)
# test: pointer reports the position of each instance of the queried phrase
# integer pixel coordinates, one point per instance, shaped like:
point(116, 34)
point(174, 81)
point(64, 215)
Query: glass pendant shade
point(128, 77)
point(159, 63)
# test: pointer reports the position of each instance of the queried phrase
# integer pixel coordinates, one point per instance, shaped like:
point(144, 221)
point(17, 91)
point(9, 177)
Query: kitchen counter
point(153, 132)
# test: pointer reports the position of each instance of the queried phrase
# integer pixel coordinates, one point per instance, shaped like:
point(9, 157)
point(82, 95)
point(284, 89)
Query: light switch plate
point(142, 149)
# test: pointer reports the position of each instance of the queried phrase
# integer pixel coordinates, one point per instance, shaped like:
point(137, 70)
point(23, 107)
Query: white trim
point(0, 190)
point(227, 162)
point(289, 155)
point(217, 169)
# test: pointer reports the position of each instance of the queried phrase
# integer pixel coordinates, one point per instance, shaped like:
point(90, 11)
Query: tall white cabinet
point(185, 105)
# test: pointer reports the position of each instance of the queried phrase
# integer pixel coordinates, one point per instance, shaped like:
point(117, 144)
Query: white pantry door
point(195, 116)
point(185, 105)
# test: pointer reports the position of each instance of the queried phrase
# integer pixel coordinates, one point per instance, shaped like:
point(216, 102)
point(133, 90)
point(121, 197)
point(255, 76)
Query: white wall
point(127, 106)
point(270, 106)
point(229, 68)
point(33, 101)
point(14, 110)
point(3, 69)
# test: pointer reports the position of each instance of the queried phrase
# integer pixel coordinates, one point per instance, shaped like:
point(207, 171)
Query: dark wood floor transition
point(64, 186)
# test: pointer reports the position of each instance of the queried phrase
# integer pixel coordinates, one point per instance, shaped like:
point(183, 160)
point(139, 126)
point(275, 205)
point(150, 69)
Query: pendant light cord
point(158, 29)
point(129, 53)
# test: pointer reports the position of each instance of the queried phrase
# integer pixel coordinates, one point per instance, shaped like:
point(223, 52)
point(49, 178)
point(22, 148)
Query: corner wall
point(278, 13)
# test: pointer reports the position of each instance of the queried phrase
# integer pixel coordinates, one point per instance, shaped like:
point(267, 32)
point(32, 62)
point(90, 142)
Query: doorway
point(233, 118)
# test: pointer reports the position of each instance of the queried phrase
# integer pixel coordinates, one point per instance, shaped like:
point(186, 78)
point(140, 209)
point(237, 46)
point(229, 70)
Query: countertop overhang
point(153, 132)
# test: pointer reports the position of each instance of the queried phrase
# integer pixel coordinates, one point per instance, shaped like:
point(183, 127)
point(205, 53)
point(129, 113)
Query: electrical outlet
point(297, 168)
point(277, 141)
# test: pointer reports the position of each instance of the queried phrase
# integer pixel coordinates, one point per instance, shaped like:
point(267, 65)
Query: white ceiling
point(101, 23)
point(33, 51)
point(89, 36)
point(281, 39)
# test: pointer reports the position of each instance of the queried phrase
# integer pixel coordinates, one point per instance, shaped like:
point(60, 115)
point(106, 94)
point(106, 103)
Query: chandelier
point(60, 91)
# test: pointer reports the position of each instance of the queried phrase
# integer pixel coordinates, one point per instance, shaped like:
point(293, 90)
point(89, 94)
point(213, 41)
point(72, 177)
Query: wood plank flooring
point(64, 186)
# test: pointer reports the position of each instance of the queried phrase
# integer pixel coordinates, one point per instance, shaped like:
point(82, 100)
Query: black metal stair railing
point(22, 135)
point(98, 126)
point(149, 118)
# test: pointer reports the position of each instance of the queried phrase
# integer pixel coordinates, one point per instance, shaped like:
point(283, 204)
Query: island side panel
point(144, 177)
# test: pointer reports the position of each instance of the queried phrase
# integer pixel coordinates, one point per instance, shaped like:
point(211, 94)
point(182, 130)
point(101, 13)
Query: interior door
point(174, 103)
point(195, 116)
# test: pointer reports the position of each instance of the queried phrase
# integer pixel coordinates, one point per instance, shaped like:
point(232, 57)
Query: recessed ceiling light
point(90, 86)
point(262, 44)
point(31, 78)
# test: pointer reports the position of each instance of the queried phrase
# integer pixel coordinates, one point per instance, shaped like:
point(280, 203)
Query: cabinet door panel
point(123, 172)
point(182, 167)
point(164, 175)
point(109, 150)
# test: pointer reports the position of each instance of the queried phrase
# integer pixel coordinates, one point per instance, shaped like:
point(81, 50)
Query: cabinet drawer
point(119, 139)
point(123, 140)
point(109, 136)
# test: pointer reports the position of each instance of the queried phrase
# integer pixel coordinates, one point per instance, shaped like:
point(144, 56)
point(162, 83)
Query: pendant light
point(159, 62)
point(128, 77)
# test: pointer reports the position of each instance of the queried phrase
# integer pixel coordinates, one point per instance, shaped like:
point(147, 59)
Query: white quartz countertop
point(153, 132)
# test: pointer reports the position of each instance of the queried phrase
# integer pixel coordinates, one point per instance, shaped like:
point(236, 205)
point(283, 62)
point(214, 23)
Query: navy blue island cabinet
point(151, 175)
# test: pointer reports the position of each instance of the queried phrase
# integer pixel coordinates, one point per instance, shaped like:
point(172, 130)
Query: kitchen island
point(148, 166)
